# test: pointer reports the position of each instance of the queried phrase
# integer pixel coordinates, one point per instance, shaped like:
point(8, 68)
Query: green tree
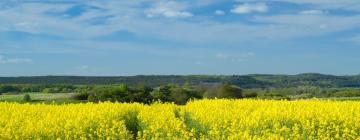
point(162, 93)
point(46, 90)
point(26, 98)
point(224, 91)
point(229, 91)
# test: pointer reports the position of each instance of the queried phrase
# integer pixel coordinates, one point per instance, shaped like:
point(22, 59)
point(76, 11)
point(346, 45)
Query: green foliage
point(122, 88)
point(9, 89)
point(162, 93)
point(26, 98)
point(244, 81)
point(229, 91)
point(120, 93)
point(132, 122)
point(80, 96)
point(10, 93)
point(180, 89)
point(224, 91)
point(250, 95)
point(182, 95)
point(46, 90)
point(39, 97)
point(106, 94)
point(142, 93)
point(346, 93)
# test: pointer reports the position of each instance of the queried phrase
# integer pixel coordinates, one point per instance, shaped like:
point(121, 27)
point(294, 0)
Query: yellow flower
point(202, 119)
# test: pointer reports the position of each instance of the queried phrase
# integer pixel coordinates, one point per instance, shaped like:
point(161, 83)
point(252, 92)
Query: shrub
point(210, 94)
point(162, 93)
point(46, 90)
point(224, 91)
point(250, 95)
point(229, 91)
point(27, 98)
point(80, 96)
point(92, 98)
point(347, 93)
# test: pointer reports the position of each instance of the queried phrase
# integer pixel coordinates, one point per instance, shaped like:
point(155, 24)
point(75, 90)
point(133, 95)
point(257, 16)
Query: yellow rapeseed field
point(203, 119)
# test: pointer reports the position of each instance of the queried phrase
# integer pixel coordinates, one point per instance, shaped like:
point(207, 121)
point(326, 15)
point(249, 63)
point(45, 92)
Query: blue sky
point(118, 37)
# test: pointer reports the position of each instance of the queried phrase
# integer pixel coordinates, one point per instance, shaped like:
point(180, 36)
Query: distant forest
point(243, 81)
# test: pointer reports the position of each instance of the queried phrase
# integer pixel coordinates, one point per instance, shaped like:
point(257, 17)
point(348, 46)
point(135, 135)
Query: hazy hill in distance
point(245, 81)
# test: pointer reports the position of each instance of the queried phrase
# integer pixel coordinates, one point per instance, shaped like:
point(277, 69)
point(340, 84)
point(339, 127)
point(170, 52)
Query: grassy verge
point(40, 98)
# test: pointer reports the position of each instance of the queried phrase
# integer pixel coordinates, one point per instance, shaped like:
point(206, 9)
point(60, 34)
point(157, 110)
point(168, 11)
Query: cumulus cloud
point(219, 12)
point(168, 9)
point(4, 60)
point(250, 8)
point(312, 12)
point(129, 16)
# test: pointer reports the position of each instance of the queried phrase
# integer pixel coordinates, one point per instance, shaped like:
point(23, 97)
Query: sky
point(181, 37)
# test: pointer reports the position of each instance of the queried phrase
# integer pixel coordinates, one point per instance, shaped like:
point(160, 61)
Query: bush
point(302, 96)
point(274, 96)
point(230, 91)
point(347, 93)
point(180, 95)
point(80, 96)
point(224, 91)
point(210, 93)
point(46, 90)
point(162, 93)
point(250, 95)
point(92, 98)
point(108, 94)
point(27, 98)
point(9, 88)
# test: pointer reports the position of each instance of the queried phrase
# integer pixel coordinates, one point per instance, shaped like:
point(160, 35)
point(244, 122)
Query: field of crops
point(203, 119)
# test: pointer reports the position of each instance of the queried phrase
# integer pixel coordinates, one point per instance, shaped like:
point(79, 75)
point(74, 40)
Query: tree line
point(177, 93)
point(244, 81)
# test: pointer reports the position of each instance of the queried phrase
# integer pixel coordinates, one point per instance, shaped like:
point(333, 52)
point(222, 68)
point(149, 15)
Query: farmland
point(201, 119)
point(38, 97)
point(179, 70)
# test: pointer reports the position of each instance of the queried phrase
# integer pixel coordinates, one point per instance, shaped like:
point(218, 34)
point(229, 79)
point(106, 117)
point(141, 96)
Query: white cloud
point(167, 13)
point(312, 12)
point(129, 16)
point(293, 26)
point(250, 8)
point(169, 9)
point(26, 26)
point(4, 60)
point(219, 12)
